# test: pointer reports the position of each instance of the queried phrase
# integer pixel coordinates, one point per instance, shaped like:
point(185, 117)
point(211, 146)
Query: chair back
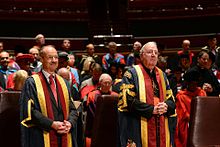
point(105, 125)
point(204, 128)
point(9, 119)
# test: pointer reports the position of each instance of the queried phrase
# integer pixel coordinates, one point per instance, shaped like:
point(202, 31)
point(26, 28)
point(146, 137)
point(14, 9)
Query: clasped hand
point(160, 108)
point(61, 127)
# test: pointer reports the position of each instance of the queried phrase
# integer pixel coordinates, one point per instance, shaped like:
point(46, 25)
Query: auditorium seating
point(9, 119)
point(105, 122)
point(205, 122)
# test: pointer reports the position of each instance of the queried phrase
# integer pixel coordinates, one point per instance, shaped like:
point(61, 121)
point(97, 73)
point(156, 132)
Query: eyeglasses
point(52, 57)
point(150, 52)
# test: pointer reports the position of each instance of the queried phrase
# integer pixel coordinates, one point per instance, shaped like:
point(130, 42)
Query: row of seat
point(204, 122)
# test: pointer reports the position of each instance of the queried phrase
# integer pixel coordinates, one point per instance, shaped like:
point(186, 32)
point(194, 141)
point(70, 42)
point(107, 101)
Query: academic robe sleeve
point(30, 108)
point(73, 115)
point(171, 107)
point(129, 96)
point(169, 98)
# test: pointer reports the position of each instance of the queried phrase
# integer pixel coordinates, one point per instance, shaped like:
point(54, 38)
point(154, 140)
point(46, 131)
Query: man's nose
point(154, 53)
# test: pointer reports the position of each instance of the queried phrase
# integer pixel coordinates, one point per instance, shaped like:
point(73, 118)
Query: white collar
point(47, 75)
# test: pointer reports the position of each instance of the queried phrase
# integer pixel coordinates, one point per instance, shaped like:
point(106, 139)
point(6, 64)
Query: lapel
point(52, 98)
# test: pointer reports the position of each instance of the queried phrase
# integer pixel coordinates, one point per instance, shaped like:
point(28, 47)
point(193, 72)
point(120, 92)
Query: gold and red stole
point(148, 127)
point(50, 138)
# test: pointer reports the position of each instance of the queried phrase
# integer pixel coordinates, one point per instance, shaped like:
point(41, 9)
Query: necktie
point(218, 75)
point(53, 87)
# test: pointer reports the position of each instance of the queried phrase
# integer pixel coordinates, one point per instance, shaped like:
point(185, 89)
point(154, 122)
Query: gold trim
point(162, 82)
point(42, 102)
point(167, 131)
point(124, 88)
point(65, 92)
point(67, 101)
point(40, 94)
point(69, 140)
point(142, 94)
point(167, 94)
point(30, 101)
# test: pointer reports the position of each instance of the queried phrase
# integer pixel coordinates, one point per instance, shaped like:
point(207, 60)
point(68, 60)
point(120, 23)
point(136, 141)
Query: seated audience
point(183, 104)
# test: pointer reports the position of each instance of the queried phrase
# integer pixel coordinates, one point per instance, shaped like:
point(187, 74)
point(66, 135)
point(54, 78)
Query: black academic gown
point(32, 136)
point(129, 116)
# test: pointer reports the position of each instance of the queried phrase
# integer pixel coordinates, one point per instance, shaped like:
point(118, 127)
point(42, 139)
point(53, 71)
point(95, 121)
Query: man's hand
point(65, 128)
point(160, 108)
point(57, 124)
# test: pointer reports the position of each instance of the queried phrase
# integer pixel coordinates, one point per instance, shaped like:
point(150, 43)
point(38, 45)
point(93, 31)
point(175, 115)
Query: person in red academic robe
point(183, 103)
point(105, 82)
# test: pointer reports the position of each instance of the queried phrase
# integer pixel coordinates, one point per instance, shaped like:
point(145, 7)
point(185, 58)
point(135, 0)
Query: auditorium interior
point(167, 22)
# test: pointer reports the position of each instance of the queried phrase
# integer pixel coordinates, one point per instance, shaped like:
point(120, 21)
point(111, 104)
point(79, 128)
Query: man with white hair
point(145, 102)
point(105, 82)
